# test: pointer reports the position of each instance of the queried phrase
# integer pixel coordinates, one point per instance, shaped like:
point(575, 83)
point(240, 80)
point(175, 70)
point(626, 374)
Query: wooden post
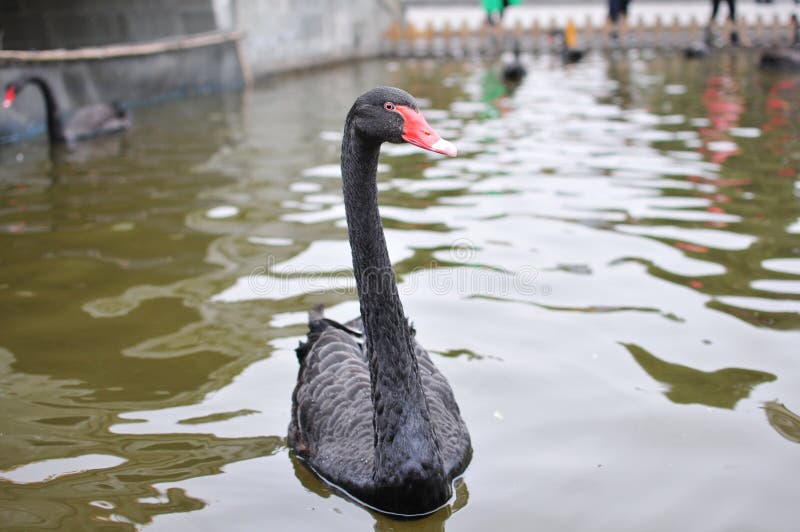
point(740, 26)
point(550, 31)
point(760, 29)
point(606, 29)
point(447, 37)
point(393, 33)
point(464, 31)
point(640, 30)
point(658, 32)
point(429, 31)
point(693, 27)
point(676, 37)
point(247, 74)
point(589, 30)
point(517, 31)
point(466, 37)
point(428, 44)
point(776, 29)
point(411, 32)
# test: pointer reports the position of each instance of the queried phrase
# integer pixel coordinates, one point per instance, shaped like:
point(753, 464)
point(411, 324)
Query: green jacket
point(492, 6)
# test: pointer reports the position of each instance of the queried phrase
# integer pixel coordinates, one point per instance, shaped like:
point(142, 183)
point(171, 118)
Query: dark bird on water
point(568, 40)
point(371, 414)
point(786, 58)
point(514, 70)
point(83, 123)
point(698, 49)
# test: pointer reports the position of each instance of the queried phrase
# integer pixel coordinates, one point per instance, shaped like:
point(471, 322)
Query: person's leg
point(709, 32)
point(623, 15)
point(732, 10)
point(714, 9)
point(613, 11)
point(732, 17)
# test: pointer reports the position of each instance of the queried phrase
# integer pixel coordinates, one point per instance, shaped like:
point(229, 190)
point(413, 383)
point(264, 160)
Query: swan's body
point(513, 69)
point(781, 59)
point(787, 58)
point(371, 414)
point(568, 44)
point(87, 122)
point(697, 50)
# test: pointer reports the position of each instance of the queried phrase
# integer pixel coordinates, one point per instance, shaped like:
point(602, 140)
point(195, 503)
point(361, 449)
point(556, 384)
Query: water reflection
point(77, 223)
point(141, 343)
point(128, 493)
point(722, 388)
point(433, 523)
point(724, 109)
point(784, 421)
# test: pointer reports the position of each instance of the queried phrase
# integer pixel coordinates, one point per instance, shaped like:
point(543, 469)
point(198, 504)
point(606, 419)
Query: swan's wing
point(332, 410)
point(451, 431)
point(332, 407)
point(96, 119)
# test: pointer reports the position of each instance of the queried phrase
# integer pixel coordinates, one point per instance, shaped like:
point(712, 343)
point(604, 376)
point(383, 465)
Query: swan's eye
point(389, 106)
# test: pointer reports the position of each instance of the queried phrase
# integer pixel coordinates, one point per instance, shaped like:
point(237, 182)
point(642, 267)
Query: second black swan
point(787, 58)
point(371, 414)
point(513, 70)
point(83, 123)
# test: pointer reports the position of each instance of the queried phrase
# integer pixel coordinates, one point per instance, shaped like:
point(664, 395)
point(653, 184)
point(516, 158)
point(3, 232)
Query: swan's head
point(11, 93)
point(387, 114)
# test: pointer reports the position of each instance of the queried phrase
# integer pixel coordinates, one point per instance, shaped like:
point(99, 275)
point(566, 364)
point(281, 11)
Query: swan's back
point(332, 410)
point(95, 120)
point(331, 424)
point(781, 59)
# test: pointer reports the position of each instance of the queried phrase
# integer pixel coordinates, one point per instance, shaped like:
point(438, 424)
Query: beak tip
point(445, 147)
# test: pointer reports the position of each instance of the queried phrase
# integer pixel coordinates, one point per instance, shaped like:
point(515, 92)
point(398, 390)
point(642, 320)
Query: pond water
point(608, 275)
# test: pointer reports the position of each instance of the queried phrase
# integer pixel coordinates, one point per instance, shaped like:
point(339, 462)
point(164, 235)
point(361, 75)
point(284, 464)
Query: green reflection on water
point(722, 388)
point(127, 492)
point(784, 421)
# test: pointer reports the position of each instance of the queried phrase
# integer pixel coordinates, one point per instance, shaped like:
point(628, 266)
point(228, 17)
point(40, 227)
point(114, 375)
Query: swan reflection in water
point(434, 522)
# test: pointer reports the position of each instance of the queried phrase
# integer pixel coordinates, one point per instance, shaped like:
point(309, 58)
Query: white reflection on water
point(47, 470)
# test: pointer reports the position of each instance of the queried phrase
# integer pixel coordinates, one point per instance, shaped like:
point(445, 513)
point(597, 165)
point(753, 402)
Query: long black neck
point(55, 129)
point(406, 451)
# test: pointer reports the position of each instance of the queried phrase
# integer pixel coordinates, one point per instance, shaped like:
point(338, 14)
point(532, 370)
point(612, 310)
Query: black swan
point(568, 43)
point(784, 58)
point(700, 49)
point(697, 50)
point(514, 70)
point(371, 414)
point(86, 122)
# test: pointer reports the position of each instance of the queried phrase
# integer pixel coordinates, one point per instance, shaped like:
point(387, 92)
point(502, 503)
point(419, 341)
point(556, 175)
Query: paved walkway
point(596, 11)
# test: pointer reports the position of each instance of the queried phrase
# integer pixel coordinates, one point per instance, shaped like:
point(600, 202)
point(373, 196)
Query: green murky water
point(609, 275)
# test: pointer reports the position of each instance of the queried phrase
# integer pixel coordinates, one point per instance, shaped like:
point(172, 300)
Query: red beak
point(10, 95)
point(417, 132)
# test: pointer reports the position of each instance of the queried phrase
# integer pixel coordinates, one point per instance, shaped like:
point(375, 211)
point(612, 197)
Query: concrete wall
point(286, 34)
point(47, 24)
point(280, 34)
